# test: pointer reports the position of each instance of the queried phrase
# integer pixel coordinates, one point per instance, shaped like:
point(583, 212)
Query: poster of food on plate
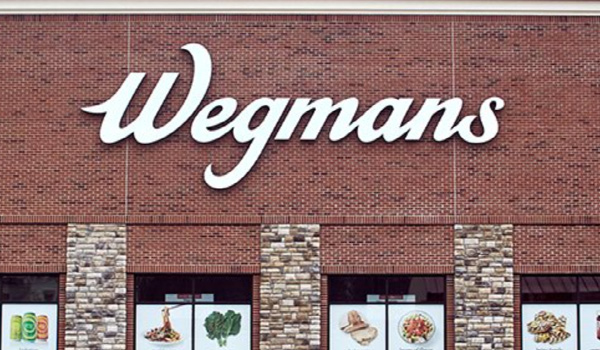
point(29, 326)
point(413, 326)
point(160, 327)
point(357, 327)
point(589, 321)
point(549, 326)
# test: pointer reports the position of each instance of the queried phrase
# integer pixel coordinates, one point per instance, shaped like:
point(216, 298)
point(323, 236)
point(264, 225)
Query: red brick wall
point(546, 155)
point(557, 249)
point(33, 248)
point(387, 249)
point(543, 162)
point(56, 164)
point(175, 248)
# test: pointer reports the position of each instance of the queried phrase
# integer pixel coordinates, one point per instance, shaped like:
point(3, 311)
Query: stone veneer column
point(290, 293)
point(484, 284)
point(96, 287)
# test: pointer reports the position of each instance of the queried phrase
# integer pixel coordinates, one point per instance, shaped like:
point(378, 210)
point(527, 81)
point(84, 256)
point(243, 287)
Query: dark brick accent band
point(304, 219)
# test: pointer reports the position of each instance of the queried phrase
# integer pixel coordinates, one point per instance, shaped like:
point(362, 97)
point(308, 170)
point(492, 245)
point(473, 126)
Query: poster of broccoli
point(223, 327)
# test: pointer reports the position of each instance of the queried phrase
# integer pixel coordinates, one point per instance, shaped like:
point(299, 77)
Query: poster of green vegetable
point(223, 327)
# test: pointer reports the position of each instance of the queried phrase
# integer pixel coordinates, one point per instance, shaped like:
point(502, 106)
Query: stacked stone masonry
point(290, 310)
point(96, 287)
point(484, 282)
point(290, 287)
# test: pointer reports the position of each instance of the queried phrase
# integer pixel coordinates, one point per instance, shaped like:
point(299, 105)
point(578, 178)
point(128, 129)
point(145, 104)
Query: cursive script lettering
point(209, 126)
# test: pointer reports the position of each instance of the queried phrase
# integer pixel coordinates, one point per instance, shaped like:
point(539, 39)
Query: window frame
point(578, 302)
point(386, 303)
point(193, 303)
point(56, 302)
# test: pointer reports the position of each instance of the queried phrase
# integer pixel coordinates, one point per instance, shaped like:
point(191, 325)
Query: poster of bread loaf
point(549, 326)
point(357, 327)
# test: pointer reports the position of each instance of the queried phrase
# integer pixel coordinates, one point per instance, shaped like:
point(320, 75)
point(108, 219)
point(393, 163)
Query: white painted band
point(340, 7)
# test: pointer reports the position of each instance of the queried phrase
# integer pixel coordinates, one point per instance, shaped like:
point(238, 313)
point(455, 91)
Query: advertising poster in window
point(223, 327)
point(161, 327)
point(29, 326)
point(589, 323)
point(357, 327)
point(413, 326)
point(549, 326)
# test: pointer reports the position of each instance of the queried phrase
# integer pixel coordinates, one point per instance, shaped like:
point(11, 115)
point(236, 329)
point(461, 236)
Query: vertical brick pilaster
point(324, 312)
point(62, 282)
point(290, 290)
point(95, 316)
point(450, 336)
point(130, 310)
point(518, 334)
point(255, 312)
point(484, 287)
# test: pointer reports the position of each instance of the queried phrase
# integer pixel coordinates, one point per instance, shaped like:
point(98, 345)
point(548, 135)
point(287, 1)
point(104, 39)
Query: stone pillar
point(484, 284)
point(96, 287)
point(290, 293)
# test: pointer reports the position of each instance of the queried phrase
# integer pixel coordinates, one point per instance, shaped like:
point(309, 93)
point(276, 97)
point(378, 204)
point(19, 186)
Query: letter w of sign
point(142, 128)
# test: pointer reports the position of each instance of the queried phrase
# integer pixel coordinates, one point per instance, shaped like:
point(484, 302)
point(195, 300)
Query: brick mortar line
point(50, 268)
point(343, 220)
point(556, 269)
point(250, 269)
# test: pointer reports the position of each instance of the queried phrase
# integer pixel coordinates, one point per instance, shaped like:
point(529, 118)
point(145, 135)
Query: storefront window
point(357, 289)
point(164, 289)
point(386, 312)
point(205, 312)
point(589, 289)
point(29, 308)
point(560, 312)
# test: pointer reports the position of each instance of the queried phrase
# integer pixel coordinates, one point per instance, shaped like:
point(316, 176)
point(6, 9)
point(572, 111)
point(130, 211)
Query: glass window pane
point(224, 289)
point(357, 289)
point(589, 289)
point(164, 289)
point(548, 289)
point(407, 289)
point(30, 289)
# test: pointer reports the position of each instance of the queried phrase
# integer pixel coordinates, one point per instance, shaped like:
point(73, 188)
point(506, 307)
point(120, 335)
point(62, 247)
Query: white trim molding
point(333, 7)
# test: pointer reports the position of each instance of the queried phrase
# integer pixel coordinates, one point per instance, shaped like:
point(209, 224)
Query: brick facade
point(381, 208)
point(557, 248)
point(151, 247)
point(536, 166)
point(387, 249)
point(33, 248)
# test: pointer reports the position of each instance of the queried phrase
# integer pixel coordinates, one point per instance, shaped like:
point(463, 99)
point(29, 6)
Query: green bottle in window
point(15, 327)
point(29, 326)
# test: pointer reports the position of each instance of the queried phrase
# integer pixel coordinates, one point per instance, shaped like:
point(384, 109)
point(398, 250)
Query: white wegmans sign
point(208, 126)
